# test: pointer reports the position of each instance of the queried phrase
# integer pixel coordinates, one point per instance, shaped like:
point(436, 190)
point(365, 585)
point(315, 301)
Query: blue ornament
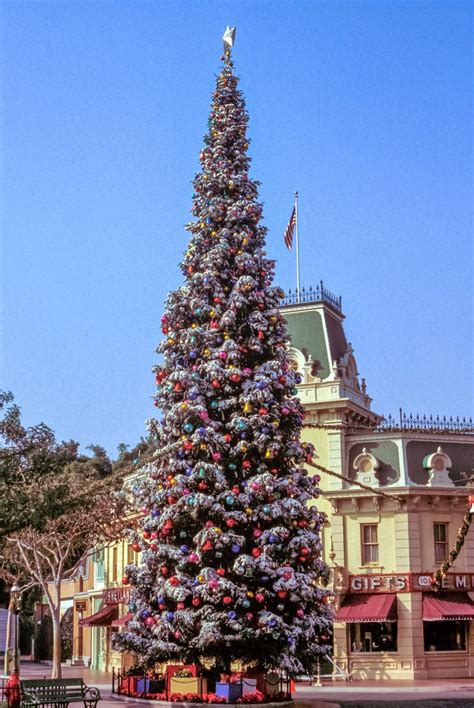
point(265, 578)
point(144, 614)
point(193, 354)
point(246, 603)
point(181, 454)
point(266, 509)
point(190, 501)
point(132, 607)
point(214, 404)
point(232, 615)
point(192, 395)
point(189, 471)
point(198, 311)
point(184, 548)
point(155, 513)
point(242, 425)
point(235, 548)
point(265, 430)
point(188, 427)
point(272, 623)
point(272, 538)
point(170, 616)
point(230, 500)
point(232, 467)
point(261, 385)
point(201, 431)
point(161, 600)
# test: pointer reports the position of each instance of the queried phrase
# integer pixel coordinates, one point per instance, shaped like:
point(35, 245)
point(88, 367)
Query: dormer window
point(438, 465)
point(366, 463)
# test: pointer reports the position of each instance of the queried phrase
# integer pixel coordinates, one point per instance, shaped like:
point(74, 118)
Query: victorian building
point(384, 541)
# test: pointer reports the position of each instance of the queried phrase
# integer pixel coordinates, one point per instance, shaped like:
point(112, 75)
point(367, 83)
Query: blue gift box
point(229, 691)
point(146, 685)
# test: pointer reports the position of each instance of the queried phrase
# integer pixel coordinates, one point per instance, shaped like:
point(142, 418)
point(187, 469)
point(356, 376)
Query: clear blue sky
point(364, 106)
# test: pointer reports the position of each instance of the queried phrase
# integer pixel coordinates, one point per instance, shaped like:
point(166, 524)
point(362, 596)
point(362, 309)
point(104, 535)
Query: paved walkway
point(443, 693)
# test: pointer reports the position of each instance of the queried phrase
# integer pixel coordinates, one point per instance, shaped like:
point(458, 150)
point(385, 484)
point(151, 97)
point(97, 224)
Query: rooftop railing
point(316, 294)
point(426, 423)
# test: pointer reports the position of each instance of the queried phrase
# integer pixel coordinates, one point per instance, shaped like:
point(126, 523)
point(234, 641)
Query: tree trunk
point(56, 617)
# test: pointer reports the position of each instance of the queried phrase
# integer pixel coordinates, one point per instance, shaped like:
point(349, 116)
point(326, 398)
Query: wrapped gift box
point(230, 691)
point(129, 684)
point(249, 685)
point(188, 684)
point(146, 685)
point(272, 683)
point(171, 669)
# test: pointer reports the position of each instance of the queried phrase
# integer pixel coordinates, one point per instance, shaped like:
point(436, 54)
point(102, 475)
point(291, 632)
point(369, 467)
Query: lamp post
point(13, 683)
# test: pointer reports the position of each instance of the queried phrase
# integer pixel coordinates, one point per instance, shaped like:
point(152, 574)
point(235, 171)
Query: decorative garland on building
point(372, 490)
point(439, 574)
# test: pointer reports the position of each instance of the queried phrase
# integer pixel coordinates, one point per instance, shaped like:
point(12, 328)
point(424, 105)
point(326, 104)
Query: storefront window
point(445, 635)
point(373, 636)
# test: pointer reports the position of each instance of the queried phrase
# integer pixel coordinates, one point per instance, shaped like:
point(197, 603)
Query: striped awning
point(380, 607)
point(102, 618)
point(447, 606)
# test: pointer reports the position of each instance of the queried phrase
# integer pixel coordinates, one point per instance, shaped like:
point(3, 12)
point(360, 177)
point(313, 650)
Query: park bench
point(58, 693)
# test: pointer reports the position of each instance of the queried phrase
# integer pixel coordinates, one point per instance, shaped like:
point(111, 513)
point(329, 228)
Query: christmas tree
point(231, 552)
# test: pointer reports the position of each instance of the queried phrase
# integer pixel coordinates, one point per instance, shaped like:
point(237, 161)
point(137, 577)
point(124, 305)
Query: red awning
point(122, 621)
point(368, 608)
point(447, 606)
point(102, 618)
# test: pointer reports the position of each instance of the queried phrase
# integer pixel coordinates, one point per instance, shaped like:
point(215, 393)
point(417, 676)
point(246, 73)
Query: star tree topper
point(228, 39)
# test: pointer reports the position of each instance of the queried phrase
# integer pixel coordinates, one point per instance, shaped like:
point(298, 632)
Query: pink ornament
point(257, 533)
point(223, 355)
point(259, 597)
point(285, 411)
point(150, 621)
point(204, 415)
point(300, 612)
point(216, 456)
point(177, 634)
point(213, 584)
point(209, 524)
point(247, 372)
point(193, 558)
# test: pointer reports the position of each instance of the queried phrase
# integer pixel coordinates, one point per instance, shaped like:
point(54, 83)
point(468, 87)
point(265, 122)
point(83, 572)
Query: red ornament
point(256, 552)
point(249, 616)
point(146, 534)
point(216, 383)
point(220, 571)
point(196, 601)
point(259, 597)
point(227, 600)
point(246, 464)
point(180, 606)
point(164, 570)
point(231, 522)
point(174, 580)
point(136, 547)
point(282, 594)
point(177, 386)
point(236, 489)
point(235, 378)
point(228, 438)
point(262, 411)
point(207, 546)
point(209, 524)
point(260, 334)
point(125, 580)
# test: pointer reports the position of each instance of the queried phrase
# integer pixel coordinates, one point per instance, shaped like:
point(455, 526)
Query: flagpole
point(298, 287)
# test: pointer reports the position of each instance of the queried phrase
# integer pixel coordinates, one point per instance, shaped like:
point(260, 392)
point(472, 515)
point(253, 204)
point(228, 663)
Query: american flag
point(288, 237)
